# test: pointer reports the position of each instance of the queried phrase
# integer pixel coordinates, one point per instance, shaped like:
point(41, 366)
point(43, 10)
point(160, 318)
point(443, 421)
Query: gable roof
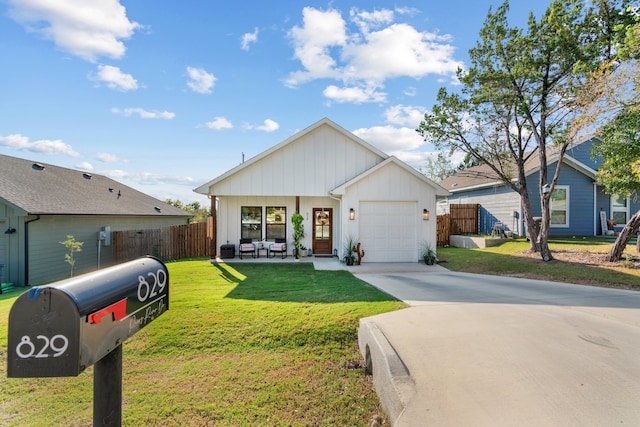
point(204, 188)
point(482, 176)
point(440, 191)
point(39, 188)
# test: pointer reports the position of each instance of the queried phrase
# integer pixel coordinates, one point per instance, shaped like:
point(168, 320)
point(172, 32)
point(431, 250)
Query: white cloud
point(268, 126)
point(149, 178)
point(219, 123)
point(365, 20)
point(200, 81)
point(85, 28)
point(249, 38)
point(356, 95)
point(109, 158)
point(312, 43)
point(144, 114)
point(366, 53)
point(45, 146)
point(405, 115)
point(114, 78)
point(84, 166)
point(392, 140)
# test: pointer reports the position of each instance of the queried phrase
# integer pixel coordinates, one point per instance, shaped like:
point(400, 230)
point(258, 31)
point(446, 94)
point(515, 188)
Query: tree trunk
point(543, 236)
point(626, 234)
point(531, 232)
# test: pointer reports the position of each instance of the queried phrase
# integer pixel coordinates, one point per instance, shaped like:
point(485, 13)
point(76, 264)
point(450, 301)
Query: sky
point(164, 96)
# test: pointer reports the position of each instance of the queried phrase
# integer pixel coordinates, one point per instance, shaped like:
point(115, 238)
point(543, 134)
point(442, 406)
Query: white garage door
point(388, 231)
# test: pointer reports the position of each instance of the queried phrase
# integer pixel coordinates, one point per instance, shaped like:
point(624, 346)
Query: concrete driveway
point(475, 350)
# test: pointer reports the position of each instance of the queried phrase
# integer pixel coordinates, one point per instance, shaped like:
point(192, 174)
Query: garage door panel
point(388, 231)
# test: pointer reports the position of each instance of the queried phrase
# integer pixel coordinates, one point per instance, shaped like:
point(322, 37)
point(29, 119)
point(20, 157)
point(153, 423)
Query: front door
point(322, 236)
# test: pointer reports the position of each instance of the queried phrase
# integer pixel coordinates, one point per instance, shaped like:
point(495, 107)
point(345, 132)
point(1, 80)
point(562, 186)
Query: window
point(619, 209)
point(251, 227)
point(559, 206)
point(276, 222)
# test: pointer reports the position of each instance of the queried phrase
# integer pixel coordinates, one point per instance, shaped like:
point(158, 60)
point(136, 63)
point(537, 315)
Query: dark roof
point(41, 188)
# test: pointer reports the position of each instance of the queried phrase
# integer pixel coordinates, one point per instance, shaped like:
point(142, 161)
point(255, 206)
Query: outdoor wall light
point(425, 214)
point(10, 230)
point(352, 214)
point(545, 189)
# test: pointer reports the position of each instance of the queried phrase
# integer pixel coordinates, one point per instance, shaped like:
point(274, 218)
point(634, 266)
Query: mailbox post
point(60, 329)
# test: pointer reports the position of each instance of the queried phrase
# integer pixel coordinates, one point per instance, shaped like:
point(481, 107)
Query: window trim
point(242, 222)
point(617, 209)
point(567, 209)
point(266, 222)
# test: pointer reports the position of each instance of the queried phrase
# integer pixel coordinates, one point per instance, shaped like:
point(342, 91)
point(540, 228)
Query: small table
point(262, 246)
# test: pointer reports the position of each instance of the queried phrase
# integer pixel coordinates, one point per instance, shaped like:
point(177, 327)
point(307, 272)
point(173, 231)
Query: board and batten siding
point(310, 166)
point(46, 253)
point(391, 184)
point(229, 216)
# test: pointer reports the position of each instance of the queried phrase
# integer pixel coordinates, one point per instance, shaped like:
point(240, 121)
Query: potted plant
point(298, 233)
point(429, 255)
point(350, 251)
point(304, 250)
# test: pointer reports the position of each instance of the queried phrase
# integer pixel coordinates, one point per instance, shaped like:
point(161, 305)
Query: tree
point(72, 246)
point(612, 102)
point(438, 168)
point(620, 171)
point(200, 214)
point(518, 99)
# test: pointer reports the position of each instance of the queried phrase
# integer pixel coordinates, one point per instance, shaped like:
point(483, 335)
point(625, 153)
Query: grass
point(252, 344)
point(511, 259)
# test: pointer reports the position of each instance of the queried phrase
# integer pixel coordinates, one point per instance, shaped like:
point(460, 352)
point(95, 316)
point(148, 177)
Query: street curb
point(391, 378)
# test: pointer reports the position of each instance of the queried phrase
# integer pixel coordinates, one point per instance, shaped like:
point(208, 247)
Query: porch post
point(297, 204)
point(214, 220)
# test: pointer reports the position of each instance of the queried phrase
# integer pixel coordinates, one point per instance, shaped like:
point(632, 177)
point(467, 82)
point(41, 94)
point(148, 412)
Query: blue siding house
point(578, 204)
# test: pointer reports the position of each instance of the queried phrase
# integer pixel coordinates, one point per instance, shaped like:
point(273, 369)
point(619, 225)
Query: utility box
point(227, 251)
point(60, 329)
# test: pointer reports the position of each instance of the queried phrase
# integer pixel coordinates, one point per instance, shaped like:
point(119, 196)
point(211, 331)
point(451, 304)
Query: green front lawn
point(578, 260)
point(248, 344)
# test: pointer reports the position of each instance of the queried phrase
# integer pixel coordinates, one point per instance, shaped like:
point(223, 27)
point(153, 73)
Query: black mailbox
point(58, 330)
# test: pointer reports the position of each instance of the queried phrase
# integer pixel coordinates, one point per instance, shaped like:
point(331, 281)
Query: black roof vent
point(86, 175)
point(157, 209)
point(37, 166)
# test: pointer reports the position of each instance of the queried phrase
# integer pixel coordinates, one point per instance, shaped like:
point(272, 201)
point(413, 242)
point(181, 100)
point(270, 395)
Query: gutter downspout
point(595, 209)
point(26, 249)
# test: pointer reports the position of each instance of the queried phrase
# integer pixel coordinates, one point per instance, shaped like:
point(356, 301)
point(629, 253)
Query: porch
point(333, 263)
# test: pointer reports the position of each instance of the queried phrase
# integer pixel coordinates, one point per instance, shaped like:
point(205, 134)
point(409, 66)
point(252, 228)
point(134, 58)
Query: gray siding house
point(577, 205)
point(40, 204)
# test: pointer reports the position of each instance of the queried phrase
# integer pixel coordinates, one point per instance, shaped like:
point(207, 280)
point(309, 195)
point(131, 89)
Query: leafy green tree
point(200, 213)
point(611, 99)
point(620, 170)
point(518, 98)
point(72, 246)
point(438, 168)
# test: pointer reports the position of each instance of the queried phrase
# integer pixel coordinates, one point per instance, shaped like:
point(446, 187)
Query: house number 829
point(58, 344)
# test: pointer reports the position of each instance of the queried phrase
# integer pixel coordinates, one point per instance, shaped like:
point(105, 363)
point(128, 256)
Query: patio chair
point(279, 246)
point(245, 247)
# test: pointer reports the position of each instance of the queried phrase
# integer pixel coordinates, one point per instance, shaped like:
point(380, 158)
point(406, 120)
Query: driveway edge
point(391, 378)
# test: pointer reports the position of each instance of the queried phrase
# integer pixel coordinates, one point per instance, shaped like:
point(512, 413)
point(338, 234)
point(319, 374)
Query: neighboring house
point(577, 203)
point(40, 204)
point(342, 186)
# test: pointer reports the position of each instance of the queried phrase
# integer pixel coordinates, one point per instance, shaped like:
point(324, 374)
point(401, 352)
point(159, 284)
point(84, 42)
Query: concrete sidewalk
point(499, 351)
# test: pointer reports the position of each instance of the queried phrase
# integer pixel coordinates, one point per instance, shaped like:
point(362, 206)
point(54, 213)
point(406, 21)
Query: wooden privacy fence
point(461, 219)
point(443, 228)
point(168, 243)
